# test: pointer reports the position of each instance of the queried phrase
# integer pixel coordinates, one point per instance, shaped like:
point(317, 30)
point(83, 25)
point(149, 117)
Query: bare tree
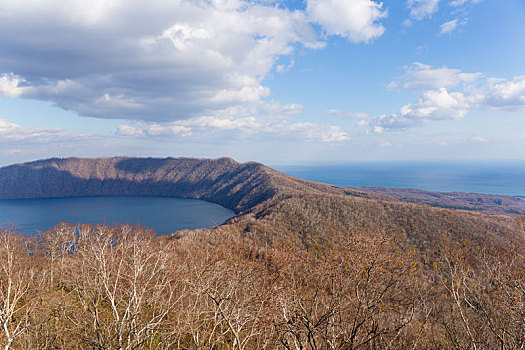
point(20, 282)
point(57, 243)
point(229, 294)
point(121, 277)
point(354, 296)
point(488, 300)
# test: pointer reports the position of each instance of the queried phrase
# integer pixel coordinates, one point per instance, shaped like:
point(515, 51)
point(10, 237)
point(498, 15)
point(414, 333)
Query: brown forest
point(291, 279)
point(300, 270)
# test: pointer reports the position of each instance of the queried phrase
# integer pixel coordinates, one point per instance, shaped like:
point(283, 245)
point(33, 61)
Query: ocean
point(507, 178)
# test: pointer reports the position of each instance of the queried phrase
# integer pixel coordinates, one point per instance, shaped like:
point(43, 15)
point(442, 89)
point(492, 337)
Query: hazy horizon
point(311, 163)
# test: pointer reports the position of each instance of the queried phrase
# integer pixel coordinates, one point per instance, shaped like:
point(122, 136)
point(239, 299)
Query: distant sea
point(507, 178)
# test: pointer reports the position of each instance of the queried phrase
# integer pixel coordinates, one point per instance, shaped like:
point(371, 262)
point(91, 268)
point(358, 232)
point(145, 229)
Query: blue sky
point(281, 82)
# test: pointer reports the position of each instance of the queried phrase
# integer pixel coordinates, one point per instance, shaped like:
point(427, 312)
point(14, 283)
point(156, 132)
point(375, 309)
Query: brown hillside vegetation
point(224, 181)
point(307, 266)
point(487, 203)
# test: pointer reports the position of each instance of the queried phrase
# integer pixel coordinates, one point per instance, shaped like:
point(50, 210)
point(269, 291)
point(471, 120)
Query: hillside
point(263, 194)
point(224, 181)
point(486, 203)
point(304, 265)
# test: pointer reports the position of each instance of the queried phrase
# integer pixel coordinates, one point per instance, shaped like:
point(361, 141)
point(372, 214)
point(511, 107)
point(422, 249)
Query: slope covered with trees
point(308, 267)
point(224, 181)
point(486, 203)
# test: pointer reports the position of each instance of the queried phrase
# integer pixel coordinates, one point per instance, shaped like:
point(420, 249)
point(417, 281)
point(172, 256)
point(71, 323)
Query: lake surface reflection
point(162, 214)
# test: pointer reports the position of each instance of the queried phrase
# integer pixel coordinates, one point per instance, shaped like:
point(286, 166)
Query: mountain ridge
point(237, 186)
point(481, 202)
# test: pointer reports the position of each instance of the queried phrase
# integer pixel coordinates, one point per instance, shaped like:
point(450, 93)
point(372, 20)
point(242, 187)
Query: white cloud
point(420, 76)
point(310, 132)
point(446, 94)
point(378, 129)
point(237, 128)
point(448, 27)
point(438, 104)
point(291, 108)
point(479, 139)
point(12, 133)
point(420, 9)
point(168, 129)
point(506, 94)
point(351, 115)
point(128, 130)
point(353, 19)
point(268, 120)
point(407, 23)
point(10, 85)
point(456, 3)
point(162, 60)
point(281, 68)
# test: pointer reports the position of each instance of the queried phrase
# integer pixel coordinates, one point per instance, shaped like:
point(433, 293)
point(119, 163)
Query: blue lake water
point(506, 178)
point(162, 214)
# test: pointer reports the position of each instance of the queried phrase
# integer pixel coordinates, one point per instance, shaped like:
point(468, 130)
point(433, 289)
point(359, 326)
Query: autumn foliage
point(300, 275)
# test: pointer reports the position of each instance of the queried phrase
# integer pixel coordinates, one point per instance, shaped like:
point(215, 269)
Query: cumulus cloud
point(128, 130)
point(162, 61)
point(267, 121)
point(440, 104)
point(420, 9)
point(505, 94)
point(357, 20)
point(419, 76)
point(237, 128)
point(183, 58)
point(10, 85)
point(445, 94)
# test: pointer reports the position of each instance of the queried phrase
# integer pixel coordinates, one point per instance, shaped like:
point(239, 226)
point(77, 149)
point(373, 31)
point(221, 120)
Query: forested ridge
point(237, 186)
point(303, 266)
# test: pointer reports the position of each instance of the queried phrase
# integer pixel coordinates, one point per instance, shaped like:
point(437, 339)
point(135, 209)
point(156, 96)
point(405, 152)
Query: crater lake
point(162, 214)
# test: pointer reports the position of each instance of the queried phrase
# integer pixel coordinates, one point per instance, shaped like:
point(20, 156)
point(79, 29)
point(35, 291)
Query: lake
point(497, 177)
point(163, 214)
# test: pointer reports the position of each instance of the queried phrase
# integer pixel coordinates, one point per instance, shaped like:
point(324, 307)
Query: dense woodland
point(297, 272)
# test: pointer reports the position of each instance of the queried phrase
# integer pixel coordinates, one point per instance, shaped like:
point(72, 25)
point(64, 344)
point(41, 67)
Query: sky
point(275, 81)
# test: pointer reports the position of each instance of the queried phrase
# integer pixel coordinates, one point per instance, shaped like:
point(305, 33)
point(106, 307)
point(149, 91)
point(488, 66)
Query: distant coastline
point(498, 177)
